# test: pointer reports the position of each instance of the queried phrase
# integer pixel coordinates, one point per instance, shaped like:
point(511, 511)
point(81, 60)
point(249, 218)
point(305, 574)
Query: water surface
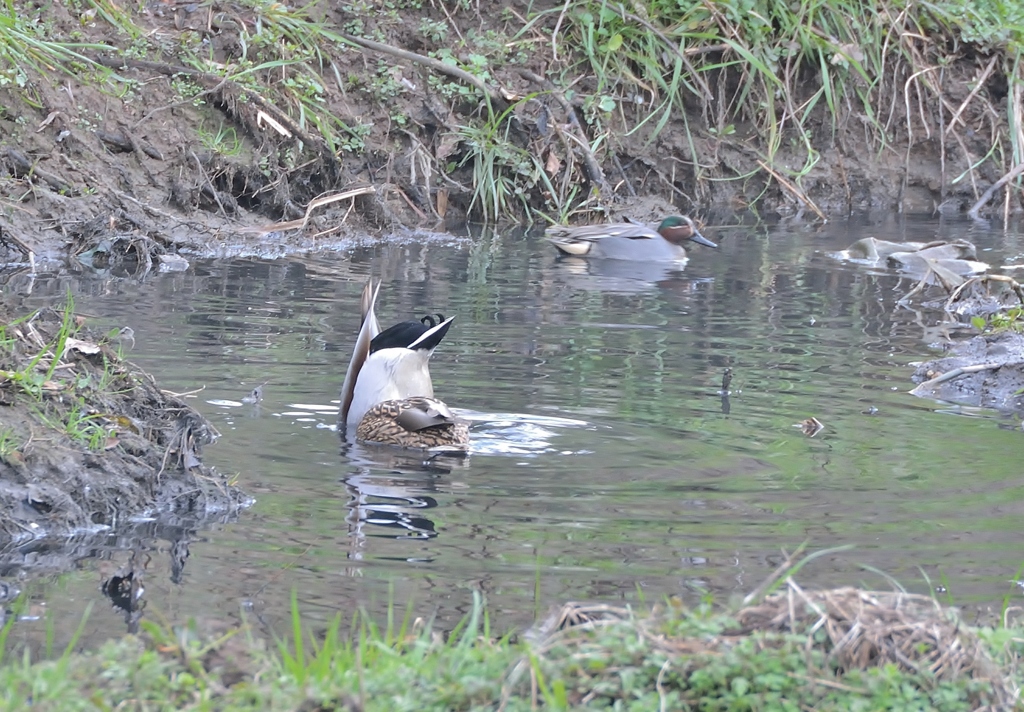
point(606, 464)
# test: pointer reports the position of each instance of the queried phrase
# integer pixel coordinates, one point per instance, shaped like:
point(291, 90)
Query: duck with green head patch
point(629, 241)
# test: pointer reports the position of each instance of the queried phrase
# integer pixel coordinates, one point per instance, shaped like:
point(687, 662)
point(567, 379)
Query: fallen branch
point(497, 101)
point(987, 195)
point(957, 372)
point(25, 168)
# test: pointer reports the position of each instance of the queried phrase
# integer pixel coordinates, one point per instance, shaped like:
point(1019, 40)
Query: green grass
point(669, 658)
point(35, 374)
point(776, 66)
point(65, 398)
point(25, 47)
point(782, 79)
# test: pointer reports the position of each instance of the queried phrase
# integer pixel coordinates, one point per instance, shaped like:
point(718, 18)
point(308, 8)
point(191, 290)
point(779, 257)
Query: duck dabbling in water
point(388, 388)
point(416, 422)
point(628, 240)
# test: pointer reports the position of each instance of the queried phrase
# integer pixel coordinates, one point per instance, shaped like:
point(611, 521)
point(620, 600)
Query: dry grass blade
point(313, 205)
point(793, 190)
point(877, 628)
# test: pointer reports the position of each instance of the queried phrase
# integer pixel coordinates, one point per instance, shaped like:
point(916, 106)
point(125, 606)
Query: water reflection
point(397, 505)
point(608, 456)
point(619, 276)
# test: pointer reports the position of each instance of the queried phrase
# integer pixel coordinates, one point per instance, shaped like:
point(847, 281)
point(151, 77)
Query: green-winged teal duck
point(629, 241)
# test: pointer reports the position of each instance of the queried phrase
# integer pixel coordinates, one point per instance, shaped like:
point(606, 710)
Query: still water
point(606, 465)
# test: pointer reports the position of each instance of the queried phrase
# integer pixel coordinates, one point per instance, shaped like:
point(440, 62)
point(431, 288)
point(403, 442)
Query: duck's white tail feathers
point(369, 327)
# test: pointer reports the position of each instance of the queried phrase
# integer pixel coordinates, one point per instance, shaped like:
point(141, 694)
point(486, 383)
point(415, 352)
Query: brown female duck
point(388, 394)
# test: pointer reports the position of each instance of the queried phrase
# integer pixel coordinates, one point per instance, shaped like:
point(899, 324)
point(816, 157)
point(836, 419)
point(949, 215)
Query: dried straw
point(862, 630)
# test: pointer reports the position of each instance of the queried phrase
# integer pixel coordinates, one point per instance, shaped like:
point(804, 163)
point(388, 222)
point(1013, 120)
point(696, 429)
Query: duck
point(629, 240)
point(419, 422)
point(388, 395)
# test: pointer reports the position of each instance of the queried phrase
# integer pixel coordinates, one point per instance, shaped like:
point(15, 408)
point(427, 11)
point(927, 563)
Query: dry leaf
point(442, 201)
point(445, 147)
point(48, 120)
point(810, 427)
point(86, 347)
point(553, 164)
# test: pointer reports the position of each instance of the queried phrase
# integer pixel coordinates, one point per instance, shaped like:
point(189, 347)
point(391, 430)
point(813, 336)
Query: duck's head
point(677, 229)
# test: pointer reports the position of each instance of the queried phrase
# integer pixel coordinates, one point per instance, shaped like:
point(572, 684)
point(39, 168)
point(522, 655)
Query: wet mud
point(984, 371)
point(93, 455)
point(155, 174)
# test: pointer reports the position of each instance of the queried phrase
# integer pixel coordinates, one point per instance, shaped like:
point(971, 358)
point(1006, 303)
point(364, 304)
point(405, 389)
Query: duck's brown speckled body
point(417, 422)
point(388, 392)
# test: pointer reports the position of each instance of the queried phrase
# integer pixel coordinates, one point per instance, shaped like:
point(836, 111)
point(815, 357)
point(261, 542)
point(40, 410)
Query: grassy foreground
point(844, 649)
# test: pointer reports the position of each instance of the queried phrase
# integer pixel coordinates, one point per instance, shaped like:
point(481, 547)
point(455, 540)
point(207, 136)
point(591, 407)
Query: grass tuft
point(839, 649)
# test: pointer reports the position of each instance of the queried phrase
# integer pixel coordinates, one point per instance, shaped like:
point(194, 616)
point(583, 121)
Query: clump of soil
point(986, 371)
point(88, 440)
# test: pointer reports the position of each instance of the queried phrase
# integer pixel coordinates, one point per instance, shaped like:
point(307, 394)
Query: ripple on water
point(603, 459)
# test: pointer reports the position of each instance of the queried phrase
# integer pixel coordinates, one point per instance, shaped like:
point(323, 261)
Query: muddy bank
point(205, 128)
point(984, 371)
point(90, 445)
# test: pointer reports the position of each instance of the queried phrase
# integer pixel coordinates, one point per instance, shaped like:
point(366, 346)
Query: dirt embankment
point(206, 124)
point(89, 443)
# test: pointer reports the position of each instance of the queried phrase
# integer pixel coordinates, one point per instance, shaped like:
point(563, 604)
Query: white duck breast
point(391, 374)
point(397, 366)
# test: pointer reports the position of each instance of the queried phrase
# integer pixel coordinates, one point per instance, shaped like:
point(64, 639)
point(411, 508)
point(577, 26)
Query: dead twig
point(794, 191)
point(496, 100)
point(313, 205)
point(974, 92)
point(593, 168)
point(957, 372)
point(987, 195)
point(26, 168)
point(209, 183)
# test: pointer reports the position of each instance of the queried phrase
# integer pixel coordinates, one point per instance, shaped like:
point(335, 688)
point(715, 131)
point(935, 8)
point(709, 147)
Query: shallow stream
point(606, 465)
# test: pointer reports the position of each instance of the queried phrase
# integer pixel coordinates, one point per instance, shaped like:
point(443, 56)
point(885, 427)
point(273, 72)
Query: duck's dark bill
point(701, 240)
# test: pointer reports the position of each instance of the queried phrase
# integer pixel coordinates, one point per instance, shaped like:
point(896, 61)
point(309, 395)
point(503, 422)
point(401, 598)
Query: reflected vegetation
point(632, 433)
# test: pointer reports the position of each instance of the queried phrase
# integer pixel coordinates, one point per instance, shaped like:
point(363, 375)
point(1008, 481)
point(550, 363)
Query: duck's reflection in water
point(622, 276)
point(392, 490)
